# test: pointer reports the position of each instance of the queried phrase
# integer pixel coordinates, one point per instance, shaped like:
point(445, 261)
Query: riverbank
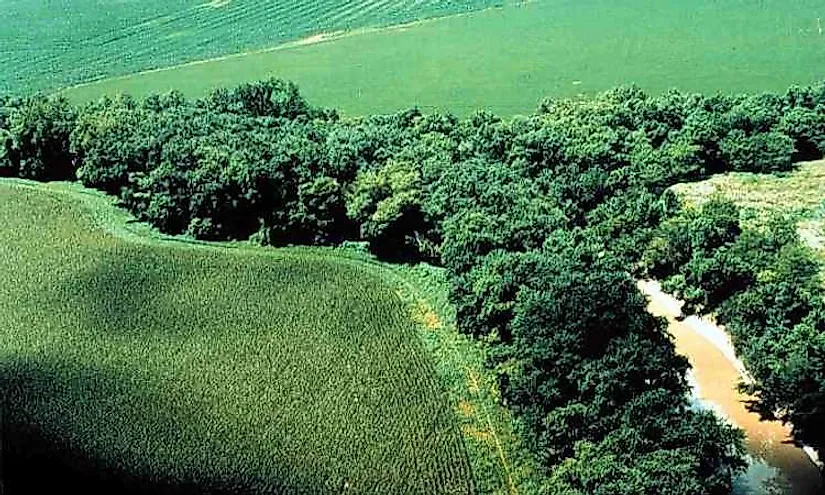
point(776, 464)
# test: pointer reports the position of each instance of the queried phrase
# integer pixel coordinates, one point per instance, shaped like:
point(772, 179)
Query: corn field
point(153, 367)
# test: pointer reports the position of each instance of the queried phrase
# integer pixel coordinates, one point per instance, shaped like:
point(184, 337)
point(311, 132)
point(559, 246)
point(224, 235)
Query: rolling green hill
point(507, 59)
point(46, 45)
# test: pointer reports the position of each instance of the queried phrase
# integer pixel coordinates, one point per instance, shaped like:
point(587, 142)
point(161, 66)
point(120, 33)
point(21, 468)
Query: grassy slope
point(47, 45)
point(241, 368)
point(800, 193)
point(507, 59)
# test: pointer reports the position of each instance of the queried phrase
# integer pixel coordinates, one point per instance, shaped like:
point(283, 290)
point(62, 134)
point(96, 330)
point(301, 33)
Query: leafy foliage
point(386, 203)
point(37, 139)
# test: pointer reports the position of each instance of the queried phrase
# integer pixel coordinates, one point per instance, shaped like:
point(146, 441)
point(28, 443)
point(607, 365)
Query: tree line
point(541, 221)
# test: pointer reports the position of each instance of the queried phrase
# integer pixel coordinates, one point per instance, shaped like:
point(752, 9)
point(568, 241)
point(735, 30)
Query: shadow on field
point(119, 294)
point(51, 412)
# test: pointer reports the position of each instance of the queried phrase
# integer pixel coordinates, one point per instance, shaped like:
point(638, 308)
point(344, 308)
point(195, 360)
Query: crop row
point(85, 43)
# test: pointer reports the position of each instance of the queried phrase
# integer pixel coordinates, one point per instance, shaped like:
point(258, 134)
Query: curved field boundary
point(276, 370)
point(86, 43)
point(323, 37)
point(499, 463)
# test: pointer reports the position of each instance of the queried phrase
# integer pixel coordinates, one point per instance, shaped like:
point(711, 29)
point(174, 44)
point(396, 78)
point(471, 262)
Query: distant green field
point(507, 59)
point(198, 368)
point(47, 45)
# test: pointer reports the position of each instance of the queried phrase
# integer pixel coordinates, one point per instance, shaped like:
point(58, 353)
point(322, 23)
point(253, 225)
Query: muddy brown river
point(777, 466)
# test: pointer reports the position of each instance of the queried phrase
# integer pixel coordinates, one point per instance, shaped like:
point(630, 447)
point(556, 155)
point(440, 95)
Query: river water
point(777, 466)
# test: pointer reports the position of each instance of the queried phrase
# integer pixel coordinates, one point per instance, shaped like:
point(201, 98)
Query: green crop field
point(507, 59)
point(46, 45)
point(202, 368)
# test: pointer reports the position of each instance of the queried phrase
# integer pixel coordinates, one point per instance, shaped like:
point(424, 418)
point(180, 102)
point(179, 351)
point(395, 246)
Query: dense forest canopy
point(542, 223)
